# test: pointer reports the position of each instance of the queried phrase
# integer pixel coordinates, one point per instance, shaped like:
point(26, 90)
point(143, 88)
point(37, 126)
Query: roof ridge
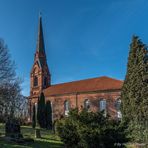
point(93, 84)
point(85, 80)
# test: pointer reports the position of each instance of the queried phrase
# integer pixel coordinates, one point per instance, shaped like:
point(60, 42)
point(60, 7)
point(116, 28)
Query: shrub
point(68, 131)
point(90, 130)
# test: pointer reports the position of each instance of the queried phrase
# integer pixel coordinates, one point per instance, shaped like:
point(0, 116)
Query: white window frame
point(117, 106)
point(103, 105)
point(66, 107)
point(119, 115)
point(87, 104)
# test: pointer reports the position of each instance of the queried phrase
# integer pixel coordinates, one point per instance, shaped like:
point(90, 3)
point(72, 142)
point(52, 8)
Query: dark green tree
point(34, 117)
point(135, 88)
point(41, 111)
point(48, 115)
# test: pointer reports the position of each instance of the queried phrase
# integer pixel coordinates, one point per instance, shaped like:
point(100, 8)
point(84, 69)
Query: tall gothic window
point(35, 81)
point(118, 106)
point(87, 104)
point(66, 107)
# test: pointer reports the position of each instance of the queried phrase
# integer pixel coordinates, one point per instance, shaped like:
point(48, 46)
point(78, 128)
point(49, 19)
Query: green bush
point(68, 131)
point(139, 130)
point(90, 130)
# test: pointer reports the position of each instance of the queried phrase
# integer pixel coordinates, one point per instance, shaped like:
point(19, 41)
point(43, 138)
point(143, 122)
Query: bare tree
point(7, 68)
point(11, 99)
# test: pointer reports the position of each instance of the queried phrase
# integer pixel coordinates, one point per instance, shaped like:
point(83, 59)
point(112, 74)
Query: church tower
point(40, 77)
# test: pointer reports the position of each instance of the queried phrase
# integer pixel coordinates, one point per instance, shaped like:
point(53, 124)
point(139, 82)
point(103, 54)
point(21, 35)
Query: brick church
point(95, 94)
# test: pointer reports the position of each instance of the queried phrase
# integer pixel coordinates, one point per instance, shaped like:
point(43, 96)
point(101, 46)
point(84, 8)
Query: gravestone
point(12, 129)
point(13, 133)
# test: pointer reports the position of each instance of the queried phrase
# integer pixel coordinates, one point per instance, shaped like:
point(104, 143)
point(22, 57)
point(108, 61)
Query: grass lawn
point(48, 139)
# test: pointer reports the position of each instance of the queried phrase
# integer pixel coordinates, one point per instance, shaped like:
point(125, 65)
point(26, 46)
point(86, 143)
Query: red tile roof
point(87, 85)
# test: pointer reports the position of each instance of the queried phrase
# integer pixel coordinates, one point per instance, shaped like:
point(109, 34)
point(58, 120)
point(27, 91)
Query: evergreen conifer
point(48, 113)
point(135, 89)
point(41, 111)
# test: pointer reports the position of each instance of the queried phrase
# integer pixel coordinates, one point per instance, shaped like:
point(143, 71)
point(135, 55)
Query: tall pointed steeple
point(40, 76)
point(40, 40)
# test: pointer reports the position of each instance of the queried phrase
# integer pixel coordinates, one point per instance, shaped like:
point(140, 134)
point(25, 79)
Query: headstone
point(12, 129)
point(13, 133)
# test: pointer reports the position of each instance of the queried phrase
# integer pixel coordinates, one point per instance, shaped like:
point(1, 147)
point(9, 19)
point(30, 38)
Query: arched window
point(102, 105)
point(118, 106)
point(87, 104)
point(35, 81)
point(66, 107)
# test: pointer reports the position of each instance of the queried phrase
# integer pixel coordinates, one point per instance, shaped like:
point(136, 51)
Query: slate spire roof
point(40, 54)
point(40, 40)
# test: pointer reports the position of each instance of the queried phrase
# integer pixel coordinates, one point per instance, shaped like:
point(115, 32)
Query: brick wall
point(77, 100)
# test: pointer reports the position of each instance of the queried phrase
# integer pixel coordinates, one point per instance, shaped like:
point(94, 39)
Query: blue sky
point(83, 38)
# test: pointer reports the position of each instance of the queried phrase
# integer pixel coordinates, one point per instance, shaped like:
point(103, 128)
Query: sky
point(83, 38)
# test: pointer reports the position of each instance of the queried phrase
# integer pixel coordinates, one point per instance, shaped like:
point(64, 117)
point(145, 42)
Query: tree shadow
point(53, 139)
point(38, 143)
point(46, 144)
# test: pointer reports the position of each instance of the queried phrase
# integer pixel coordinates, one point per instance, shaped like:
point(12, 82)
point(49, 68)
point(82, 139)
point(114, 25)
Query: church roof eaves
point(88, 85)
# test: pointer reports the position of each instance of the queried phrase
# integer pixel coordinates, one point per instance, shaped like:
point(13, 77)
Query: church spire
point(40, 40)
point(40, 77)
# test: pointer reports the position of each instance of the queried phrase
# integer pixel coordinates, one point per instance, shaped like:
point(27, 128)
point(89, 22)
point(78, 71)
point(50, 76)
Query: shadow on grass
point(46, 144)
point(38, 143)
point(48, 140)
point(51, 139)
